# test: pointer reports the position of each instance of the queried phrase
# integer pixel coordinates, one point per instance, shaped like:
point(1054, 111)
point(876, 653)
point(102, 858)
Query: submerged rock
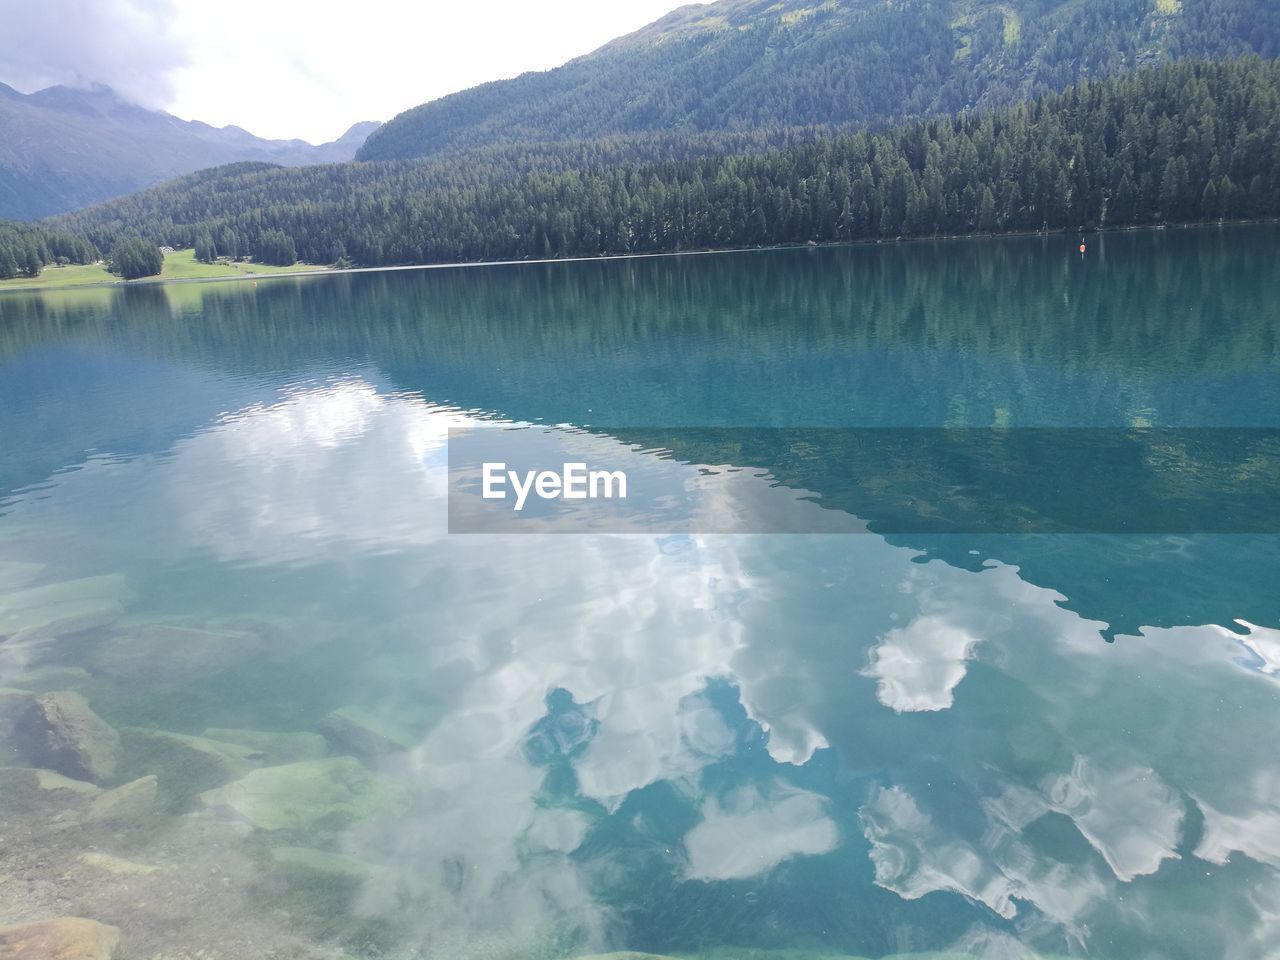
point(58, 609)
point(314, 793)
point(66, 938)
point(48, 679)
point(370, 733)
point(13, 704)
point(50, 781)
point(117, 865)
point(60, 731)
point(172, 652)
point(184, 765)
point(135, 800)
point(45, 793)
point(276, 748)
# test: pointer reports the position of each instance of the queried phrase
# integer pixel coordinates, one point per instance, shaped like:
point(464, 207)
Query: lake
point(966, 642)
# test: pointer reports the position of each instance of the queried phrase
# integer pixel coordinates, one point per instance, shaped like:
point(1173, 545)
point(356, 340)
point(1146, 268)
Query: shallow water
point(681, 741)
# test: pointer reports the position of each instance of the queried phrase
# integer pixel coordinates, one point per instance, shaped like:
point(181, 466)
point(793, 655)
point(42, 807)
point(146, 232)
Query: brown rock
point(60, 732)
point(66, 938)
point(134, 801)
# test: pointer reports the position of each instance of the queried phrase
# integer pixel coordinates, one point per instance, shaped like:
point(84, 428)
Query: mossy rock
point(172, 651)
point(47, 679)
point(133, 802)
point(314, 794)
point(276, 748)
point(184, 766)
point(322, 863)
point(372, 732)
point(59, 609)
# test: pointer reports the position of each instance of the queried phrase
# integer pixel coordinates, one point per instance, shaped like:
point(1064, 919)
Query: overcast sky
point(299, 68)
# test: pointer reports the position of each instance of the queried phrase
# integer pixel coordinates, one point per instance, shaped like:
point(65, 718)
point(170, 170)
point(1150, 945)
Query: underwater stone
point(185, 765)
point(47, 679)
point(58, 609)
point(28, 788)
point(50, 781)
point(135, 800)
point(66, 938)
point(13, 703)
point(367, 733)
point(60, 731)
point(276, 748)
point(117, 865)
point(171, 652)
point(314, 793)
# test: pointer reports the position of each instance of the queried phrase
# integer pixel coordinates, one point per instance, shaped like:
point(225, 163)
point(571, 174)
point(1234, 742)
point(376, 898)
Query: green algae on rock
point(48, 679)
point(184, 765)
point(170, 651)
point(130, 802)
point(371, 732)
point(58, 609)
point(276, 748)
point(310, 794)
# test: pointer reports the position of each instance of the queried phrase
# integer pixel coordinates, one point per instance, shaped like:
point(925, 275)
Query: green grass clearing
point(179, 265)
point(1012, 26)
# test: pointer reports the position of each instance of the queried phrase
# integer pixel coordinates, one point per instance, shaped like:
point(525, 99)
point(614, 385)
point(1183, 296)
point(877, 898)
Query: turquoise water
point(993, 743)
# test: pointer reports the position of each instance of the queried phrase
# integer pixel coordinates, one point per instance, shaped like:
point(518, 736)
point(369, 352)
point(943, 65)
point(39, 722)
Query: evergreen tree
point(133, 258)
point(1133, 149)
point(205, 251)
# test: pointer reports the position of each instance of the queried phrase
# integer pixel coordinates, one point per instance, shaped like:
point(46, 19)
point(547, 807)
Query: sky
point(299, 68)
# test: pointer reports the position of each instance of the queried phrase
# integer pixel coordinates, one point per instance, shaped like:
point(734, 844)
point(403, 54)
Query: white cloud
point(1128, 814)
point(1252, 829)
point(750, 832)
point(134, 46)
point(291, 68)
point(299, 68)
point(919, 665)
point(913, 856)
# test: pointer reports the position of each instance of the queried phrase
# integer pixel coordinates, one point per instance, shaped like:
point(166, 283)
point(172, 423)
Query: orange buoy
point(1082, 248)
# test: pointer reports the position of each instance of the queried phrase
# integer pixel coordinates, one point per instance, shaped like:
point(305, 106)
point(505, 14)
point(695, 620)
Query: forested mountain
point(1193, 140)
point(762, 64)
point(64, 148)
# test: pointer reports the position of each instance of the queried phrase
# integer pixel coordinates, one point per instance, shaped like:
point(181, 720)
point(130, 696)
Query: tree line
point(1192, 140)
point(26, 248)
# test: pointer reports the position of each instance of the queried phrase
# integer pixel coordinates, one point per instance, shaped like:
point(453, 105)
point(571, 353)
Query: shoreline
point(36, 287)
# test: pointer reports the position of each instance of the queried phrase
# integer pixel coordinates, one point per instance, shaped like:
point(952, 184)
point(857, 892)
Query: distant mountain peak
point(71, 145)
point(89, 96)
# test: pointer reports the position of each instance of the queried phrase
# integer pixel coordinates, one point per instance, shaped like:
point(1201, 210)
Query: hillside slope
point(762, 64)
point(62, 149)
point(1194, 140)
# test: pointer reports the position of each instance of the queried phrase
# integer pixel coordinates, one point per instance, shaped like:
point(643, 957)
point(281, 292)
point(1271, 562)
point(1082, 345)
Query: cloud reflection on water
point(968, 709)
